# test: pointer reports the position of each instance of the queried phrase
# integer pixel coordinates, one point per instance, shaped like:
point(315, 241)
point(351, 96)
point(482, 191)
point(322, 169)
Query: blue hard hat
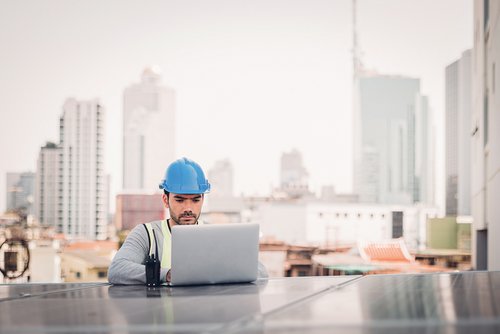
point(184, 176)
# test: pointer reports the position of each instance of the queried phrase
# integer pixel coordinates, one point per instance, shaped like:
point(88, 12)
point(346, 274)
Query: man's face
point(184, 209)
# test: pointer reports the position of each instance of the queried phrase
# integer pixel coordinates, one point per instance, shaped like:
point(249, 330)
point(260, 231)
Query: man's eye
point(179, 200)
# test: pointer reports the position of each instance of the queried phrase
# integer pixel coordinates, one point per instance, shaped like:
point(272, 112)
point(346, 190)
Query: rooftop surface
point(411, 303)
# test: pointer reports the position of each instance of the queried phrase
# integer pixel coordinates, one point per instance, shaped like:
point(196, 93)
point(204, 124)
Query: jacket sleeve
point(128, 266)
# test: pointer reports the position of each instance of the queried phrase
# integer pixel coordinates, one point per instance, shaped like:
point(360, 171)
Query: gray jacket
point(128, 265)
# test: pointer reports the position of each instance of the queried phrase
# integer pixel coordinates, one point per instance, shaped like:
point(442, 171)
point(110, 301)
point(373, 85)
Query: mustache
point(187, 214)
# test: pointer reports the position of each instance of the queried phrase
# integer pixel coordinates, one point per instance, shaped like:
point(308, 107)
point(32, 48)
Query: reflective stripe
point(166, 258)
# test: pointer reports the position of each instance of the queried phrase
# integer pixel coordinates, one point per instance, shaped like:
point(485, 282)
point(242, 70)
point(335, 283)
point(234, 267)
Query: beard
point(178, 221)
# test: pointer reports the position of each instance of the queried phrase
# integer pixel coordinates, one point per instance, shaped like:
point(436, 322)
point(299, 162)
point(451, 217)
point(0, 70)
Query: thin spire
point(356, 59)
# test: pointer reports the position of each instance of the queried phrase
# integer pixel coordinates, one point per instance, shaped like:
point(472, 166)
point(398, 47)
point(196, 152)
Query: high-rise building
point(71, 185)
point(458, 124)
point(83, 189)
point(294, 178)
point(385, 149)
point(148, 131)
point(46, 185)
point(221, 179)
point(485, 134)
point(20, 191)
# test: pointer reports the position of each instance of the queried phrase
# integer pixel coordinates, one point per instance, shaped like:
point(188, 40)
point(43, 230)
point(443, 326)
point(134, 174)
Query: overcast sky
point(253, 78)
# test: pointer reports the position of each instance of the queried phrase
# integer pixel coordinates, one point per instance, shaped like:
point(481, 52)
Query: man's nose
point(187, 206)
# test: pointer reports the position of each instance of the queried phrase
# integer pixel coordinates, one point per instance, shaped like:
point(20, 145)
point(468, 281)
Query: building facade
point(148, 132)
point(135, 209)
point(485, 134)
point(46, 185)
point(458, 127)
point(83, 185)
point(425, 177)
point(342, 224)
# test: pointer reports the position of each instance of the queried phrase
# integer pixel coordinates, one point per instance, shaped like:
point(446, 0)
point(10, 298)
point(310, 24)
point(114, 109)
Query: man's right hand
point(169, 276)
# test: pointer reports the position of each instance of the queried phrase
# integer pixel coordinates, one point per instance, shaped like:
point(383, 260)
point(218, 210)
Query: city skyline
point(244, 73)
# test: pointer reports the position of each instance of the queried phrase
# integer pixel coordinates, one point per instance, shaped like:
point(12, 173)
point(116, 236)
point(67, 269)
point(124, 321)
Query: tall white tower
point(82, 185)
point(148, 131)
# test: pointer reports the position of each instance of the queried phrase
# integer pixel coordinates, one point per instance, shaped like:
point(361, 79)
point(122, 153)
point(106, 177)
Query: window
point(10, 261)
point(397, 224)
point(101, 274)
point(78, 274)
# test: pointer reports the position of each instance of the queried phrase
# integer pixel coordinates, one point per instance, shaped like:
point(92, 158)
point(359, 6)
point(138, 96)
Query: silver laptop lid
point(210, 254)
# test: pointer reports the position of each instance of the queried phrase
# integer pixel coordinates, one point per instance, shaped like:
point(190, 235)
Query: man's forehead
point(190, 196)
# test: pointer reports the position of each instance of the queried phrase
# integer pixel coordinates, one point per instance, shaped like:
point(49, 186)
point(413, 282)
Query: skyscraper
point(458, 145)
point(83, 189)
point(221, 179)
point(385, 142)
point(71, 186)
point(20, 191)
point(148, 131)
point(46, 185)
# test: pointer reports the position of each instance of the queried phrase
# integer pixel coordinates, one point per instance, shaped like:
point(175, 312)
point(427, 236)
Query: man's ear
point(164, 197)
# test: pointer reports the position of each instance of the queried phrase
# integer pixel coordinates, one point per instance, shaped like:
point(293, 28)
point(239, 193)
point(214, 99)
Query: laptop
point(212, 254)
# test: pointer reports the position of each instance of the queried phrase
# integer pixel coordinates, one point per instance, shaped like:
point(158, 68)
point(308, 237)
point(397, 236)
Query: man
point(184, 188)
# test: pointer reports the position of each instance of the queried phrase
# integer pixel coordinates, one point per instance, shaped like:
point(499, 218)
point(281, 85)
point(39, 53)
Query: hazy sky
point(253, 78)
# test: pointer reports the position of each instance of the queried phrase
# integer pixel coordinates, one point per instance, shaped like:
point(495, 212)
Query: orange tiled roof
point(388, 251)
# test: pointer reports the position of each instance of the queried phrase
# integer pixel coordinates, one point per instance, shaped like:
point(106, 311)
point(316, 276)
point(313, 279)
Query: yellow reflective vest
point(166, 259)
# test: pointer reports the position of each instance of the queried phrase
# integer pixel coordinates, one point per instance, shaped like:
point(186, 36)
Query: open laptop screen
point(210, 254)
